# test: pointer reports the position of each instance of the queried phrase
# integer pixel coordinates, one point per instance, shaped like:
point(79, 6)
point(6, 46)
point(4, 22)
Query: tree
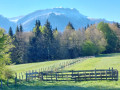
point(35, 50)
point(10, 32)
point(21, 28)
point(38, 23)
point(5, 46)
point(17, 29)
point(97, 37)
point(110, 36)
point(18, 52)
point(70, 26)
point(116, 30)
point(88, 48)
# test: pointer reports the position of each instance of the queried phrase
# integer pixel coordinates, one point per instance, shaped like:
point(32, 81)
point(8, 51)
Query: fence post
point(106, 74)
point(32, 74)
point(117, 75)
point(56, 76)
point(19, 76)
point(16, 79)
point(7, 82)
point(90, 76)
point(51, 75)
point(95, 73)
point(78, 76)
point(35, 73)
point(101, 75)
point(85, 75)
point(72, 73)
point(112, 73)
point(42, 76)
point(26, 76)
point(1, 83)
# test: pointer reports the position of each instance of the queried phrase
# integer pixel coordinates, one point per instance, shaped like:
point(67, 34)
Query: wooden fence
point(71, 75)
point(55, 67)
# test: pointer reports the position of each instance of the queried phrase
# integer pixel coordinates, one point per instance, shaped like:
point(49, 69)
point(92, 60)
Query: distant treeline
point(45, 43)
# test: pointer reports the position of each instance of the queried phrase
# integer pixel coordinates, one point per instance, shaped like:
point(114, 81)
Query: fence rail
point(72, 75)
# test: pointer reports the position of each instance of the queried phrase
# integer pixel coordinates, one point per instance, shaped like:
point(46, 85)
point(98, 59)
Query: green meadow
point(99, 62)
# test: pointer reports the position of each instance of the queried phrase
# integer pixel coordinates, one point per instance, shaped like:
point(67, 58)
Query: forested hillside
point(45, 43)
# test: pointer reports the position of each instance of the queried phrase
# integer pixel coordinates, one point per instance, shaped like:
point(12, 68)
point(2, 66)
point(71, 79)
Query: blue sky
point(107, 9)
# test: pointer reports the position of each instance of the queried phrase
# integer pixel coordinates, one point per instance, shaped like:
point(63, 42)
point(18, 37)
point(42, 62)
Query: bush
point(88, 48)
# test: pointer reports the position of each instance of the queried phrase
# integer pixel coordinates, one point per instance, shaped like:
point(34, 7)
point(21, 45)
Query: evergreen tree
point(18, 52)
point(21, 28)
point(38, 23)
point(35, 45)
point(17, 29)
point(10, 32)
point(70, 26)
point(118, 25)
point(48, 34)
point(88, 26)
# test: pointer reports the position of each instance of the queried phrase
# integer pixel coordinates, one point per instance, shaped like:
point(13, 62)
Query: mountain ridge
point(58, 17)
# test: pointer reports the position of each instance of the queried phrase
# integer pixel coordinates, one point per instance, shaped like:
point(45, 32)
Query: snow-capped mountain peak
point(58, 17)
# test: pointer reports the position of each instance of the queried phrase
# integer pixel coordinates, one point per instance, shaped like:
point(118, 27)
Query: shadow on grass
point(108, 55)
point(54, 86)
point(65, 87)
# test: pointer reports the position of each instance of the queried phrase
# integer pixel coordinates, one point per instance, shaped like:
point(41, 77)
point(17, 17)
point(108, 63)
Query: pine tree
point(118, 25)
point(38, 23)
point(21, 28)
point(85, 28)
point(17, 29)
point(70, 26)
point(88, 26)
point(48, 32)
point(34, 53)
point(18, 52)
point(10, 32)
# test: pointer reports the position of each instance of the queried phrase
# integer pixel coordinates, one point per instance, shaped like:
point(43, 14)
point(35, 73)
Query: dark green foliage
point(88, 26)
point(70, 26)
point(48, 32)
point(17, 30)
point(21, 28)
point(110, 37)
point(5, 46)
point(118, 25)
point(35, 49)
point(88, 48)
point(46, 43)
point(17, 53)
point(38, 23)
point(10, 32)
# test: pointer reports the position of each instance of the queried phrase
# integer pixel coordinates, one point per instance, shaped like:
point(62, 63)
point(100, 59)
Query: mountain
point(58, 17)
point(5, 23)
point(15, 19)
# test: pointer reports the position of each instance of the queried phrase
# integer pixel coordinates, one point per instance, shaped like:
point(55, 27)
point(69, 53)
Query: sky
point(104, 9)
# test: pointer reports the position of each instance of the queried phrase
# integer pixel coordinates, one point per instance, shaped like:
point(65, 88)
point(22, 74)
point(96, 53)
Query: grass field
point(35, 66)
point(99, 62)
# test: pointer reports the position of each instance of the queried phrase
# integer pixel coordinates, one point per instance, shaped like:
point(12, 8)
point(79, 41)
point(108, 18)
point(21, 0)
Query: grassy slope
point(35, 66)
point(101, 62)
